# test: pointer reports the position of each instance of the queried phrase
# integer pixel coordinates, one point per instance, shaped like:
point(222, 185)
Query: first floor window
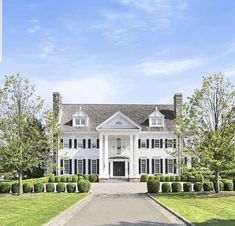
point(80, 166)
point(170, 165)
point(156, 166)
point(93, 166)
point(66, 166)
point(143, 165)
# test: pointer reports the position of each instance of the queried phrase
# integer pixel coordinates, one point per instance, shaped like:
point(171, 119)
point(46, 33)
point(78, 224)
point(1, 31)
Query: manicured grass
point(202, 209)
point(34, 209)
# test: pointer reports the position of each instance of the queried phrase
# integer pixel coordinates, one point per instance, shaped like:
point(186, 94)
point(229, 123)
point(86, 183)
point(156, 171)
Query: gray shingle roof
point(98, 113)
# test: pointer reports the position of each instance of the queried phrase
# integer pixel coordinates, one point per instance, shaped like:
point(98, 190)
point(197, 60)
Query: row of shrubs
point(75, 178)
point(153, 186)
point(82, 186)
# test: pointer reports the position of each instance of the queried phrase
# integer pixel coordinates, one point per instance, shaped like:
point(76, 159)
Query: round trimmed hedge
point(153, 186)
point(166, 187)
point(84, 186)
point(197, 186)
point(176, 187)
point(74, 178)
point(208, 186)
point(150, 178)
point(51, 179)
point(60, 187)
point(93, 178)
point(27, 187)
point(81, 177)
point(167, 178)
point(144, 177)
point(177, 178)
point(14, 188)
point(57, 179)
point(228, 185)
point(162, 178)
point(187, 187)
point(50, 187)
point(5, 188)
point(39, 187)
point(71, 188)
point(63, 179)
point(69, 178)
point(184, 177)
point(172, 178)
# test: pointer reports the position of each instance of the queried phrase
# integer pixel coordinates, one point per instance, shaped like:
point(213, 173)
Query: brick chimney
point(178, 100)
point(57, 104)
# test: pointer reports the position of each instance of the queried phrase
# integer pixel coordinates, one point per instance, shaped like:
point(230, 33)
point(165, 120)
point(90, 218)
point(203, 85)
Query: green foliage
point(228, 185)
point(187, 187)
point(50, 187)
point(177, 178)
point(184, 177)
point(15, 188)
point(84, 186)
point(153, 186)
point(176, 187)
point(52, 179)
point(197, 186)
point(156, 178)
point(60, 187)
point(162, 178)
point(27, 187)
point(93, 178)
point(167, 178)
point(208, 186)
point(57, 179)
point(71, 188)
point(172, 178)
point(144, 177)
point(74, 178)
point(5, 187)
point(63, 179)
point(150, 178)
point(69, 179)
point(80, 177)
point(166, 187)
point(39, 187)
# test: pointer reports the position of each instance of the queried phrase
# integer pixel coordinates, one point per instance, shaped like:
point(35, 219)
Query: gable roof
point(98, 113)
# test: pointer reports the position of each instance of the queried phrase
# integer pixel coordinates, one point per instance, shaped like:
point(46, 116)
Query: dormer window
point(156, 119)
point(80, 118)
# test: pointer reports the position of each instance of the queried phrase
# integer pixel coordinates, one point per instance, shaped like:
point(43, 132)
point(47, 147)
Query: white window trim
point(159, 165)
point(80, 163)
point(80, 119)
point(156, 118)
point(93, 163)
point(168, 161)
point(67, 163)
point(155, 142)
point(143, 165)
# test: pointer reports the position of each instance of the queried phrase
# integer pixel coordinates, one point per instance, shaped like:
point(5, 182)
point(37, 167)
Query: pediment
point(118, 121)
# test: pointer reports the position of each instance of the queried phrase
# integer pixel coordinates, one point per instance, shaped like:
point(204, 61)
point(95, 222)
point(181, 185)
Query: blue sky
point(118, 51)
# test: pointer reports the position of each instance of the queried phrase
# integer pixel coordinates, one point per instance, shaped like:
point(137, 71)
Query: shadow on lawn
point(143, 223)
point(216, 222)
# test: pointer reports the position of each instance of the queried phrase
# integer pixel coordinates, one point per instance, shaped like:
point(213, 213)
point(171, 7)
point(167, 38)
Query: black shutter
point(147, 166)
point(89, 143)
point(97, 143)
point(139, 166)
point(70, 143)
point(152, 143)
point(89, 166)
point(175, 166)
point(84, 143)
point(75, 166)
point(166, 166)
point(152, 166)
point(139, 143)
point(61, 141)
point(165, 143)
point(61, 167)
point(75, 143)
point(84, 166)
point(174, 143)
point(161, 143)
point(70, 166)
point(185, 160)
point(147, 141)
point(161, 165)
point(98, 166)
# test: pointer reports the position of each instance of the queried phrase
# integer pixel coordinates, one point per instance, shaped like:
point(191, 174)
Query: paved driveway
point(122, 204)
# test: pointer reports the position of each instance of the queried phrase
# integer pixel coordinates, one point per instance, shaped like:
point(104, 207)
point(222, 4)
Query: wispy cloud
point(47, 48)
point(34, 28)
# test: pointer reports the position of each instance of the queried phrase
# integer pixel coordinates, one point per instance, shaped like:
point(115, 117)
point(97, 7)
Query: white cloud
point(34, 28)
point(47, 49)
point(230, 72)
point(168, 67)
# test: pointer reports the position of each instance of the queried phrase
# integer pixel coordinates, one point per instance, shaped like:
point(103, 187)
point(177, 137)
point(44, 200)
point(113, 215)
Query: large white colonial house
point(117, 140)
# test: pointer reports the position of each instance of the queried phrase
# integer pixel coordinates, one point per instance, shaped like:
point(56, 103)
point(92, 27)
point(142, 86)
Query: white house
point(117, 140)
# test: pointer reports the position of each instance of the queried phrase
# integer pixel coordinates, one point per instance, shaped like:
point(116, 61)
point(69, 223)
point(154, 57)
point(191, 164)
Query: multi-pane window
point(80, 166)
point(156, 166)
point(81, 121)
point(156, 143)
point(93, 143)
point(170, 143)
point(80, 143)
point(93, 166)
point(170, 165)
point(153, 121)
point(66, 166)
point(143, 165)
point(66, 143)
point(143, 143)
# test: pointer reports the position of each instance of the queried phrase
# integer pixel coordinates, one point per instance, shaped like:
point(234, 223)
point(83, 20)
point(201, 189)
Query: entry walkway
point(122, 204)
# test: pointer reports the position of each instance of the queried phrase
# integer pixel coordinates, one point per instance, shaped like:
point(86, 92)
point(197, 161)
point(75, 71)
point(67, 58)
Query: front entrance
point(119, 169)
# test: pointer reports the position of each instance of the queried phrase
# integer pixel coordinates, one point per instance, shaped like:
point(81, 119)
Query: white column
point(72, 166)
point(136, 161)
point(101, 157)
point(131, 170)
point(150, 166)
point(106, 158)
point(163, 166)
point(126, 169)
point(111, 169)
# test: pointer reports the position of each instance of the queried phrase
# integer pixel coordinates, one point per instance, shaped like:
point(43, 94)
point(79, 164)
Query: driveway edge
point(171, 211)
point(65, 216)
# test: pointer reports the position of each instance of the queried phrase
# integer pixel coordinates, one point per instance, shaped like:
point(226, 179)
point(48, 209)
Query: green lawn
point(34, 209)
point(202, 209)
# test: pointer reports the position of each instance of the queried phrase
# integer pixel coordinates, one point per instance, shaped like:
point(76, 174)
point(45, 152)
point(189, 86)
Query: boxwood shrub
point(5, 188)
point(80, 177)
point(50, 187)
point(84, 186)
point(166, 187)
point(51, 179)
point(74, 178)
point(14, 188)
point(191, 178)
point(69, 178)
point(167, 178)
point(184, 178)
point(63, 179)
point(71, 188)
point(228, 185)
point(39, 187)
point(60, 187)
point(172, 178)
point(144, 177)
point(93, 178)
point(27, 187)
point(208, 186)
point(197, 186)
point(176, 187)
point(153, 186)
point(150, 178)
point(187, 187)
point(177, 178)
point(57, 179)
point(156, 178)
point(162, 178)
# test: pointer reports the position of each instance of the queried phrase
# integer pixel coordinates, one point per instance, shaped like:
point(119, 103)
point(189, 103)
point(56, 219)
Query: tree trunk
point(217, 188)
point(20, 191)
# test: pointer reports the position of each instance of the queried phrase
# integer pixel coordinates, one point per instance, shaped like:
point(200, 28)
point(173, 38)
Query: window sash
point(80, 166)
point(66, 166)
point(157, 166)
point(156, 143)
point(93, 166)
point(170, 143)
point(143, 143)
point(143, 165)
point(170, 165)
